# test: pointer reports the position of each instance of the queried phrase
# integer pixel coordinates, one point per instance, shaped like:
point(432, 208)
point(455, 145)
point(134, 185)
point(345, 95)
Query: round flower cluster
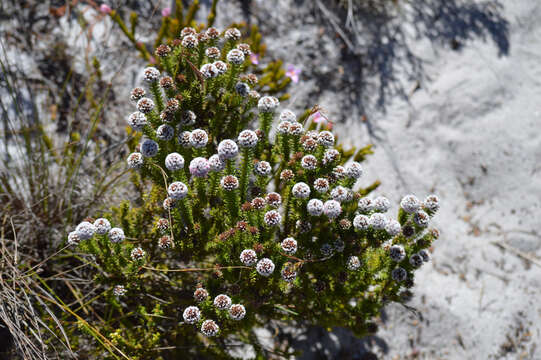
point(272, 218)
point(137, 254)
point(410, 204)
point(174, 161)
point(288, 273)
point(273, 199)
point(222, 302)
point(85, 230)
point(332, 209)
point(165, 132)
point(198, 138)
point(353, 263)
point(289, 245)
point(235, 56)
point(265, 267)
point(321, 185)
point(228, 149)
point(177, 190)
point(248, 257)
point(267, 104)
point(301, 190)
point(229, 183)
point(151, 74)
point(209, 328)
point(200, 295)
point(137, 121)
point(237, 312)
point(145, 105)
point(262, 168)
point(119, 290)
point(199, 167)
point(216, 163)
point(116, 235)
point(191, 314)
point(247, 139)
point(165, 242)
point(397, 253)
point(149, 148)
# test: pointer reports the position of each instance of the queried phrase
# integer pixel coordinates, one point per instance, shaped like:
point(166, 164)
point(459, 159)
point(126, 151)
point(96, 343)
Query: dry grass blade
point(21, 309)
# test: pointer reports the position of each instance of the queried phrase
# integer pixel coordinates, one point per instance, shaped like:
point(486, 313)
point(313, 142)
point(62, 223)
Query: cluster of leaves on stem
point(247, 214)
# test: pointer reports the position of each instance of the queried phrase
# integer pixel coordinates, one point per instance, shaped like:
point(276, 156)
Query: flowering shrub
point(236, 225)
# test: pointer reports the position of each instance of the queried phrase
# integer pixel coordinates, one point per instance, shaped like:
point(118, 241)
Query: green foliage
point(193, 239)
point(273, 79)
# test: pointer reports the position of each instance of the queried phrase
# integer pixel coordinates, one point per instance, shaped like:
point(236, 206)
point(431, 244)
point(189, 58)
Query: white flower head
point(174, 162)
point(228, 149)
point(265, 267)
point(191, 315)
point(301, 190)
point(102, 226)
point(315, 207)
point(177, 190)
point(85, 230)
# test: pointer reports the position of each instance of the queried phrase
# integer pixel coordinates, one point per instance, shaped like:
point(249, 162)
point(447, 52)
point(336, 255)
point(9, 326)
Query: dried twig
point(517, 252)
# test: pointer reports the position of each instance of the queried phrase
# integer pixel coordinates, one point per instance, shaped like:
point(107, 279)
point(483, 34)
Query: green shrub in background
point(272, 78)
point(243, 215)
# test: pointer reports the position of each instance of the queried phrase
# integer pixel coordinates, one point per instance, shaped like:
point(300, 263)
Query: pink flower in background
point(254, 58)
point(152, 60)
point(166, 12)
point(318, 118)
point(105, 9)
point(293, 73)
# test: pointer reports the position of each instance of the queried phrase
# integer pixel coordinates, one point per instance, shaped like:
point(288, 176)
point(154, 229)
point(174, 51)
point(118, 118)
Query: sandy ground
point(448, 91)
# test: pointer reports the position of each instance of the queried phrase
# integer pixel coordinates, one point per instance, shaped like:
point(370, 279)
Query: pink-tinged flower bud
point(199, 167)
point(166, 12)
point(105, 9)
